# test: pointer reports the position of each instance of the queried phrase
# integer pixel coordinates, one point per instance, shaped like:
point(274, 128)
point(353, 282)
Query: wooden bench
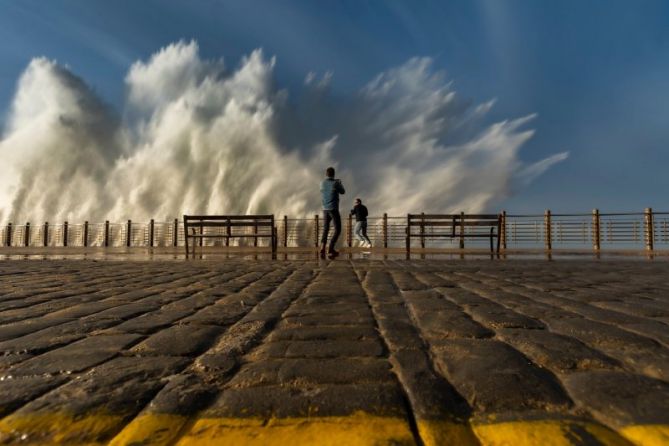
point(194, 226)
point(416, 224)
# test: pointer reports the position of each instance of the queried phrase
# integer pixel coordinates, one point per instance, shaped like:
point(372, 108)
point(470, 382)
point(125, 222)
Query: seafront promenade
point(352, 351)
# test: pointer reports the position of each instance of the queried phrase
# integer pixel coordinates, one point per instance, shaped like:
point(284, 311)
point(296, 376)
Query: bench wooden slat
point(229, 236)
point(457, 223)
point(229, 217)
point(450, 216)
point(426, 235)
point(235, 224)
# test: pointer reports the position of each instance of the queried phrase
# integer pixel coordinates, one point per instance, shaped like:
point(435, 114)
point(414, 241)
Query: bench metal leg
point(408, 244)
point(492, 232)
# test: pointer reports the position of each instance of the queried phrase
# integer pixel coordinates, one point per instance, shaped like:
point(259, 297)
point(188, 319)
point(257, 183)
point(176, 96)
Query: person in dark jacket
point(331, 188)
point(360, 212)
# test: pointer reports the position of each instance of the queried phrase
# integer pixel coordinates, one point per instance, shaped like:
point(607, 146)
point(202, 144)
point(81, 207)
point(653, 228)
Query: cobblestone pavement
point(508, 352)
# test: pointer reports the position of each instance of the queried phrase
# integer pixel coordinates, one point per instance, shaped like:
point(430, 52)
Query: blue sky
point(596, 72)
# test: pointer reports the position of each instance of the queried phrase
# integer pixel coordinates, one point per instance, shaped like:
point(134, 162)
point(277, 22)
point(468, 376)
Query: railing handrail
point(609, 229)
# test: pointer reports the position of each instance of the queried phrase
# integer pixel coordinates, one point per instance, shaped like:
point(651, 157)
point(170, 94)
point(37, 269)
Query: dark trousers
point(334, 217)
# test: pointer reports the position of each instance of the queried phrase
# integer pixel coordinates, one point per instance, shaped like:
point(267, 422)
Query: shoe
point(322, 253)
point(332, 254)
point(367, 245)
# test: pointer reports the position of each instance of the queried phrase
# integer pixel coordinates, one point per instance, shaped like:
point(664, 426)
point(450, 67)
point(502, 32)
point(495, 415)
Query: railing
point(595, 231)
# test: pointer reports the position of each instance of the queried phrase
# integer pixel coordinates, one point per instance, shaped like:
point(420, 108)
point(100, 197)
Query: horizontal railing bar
point(452, 216)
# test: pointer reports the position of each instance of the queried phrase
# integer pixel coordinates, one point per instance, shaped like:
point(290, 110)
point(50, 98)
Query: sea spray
point(197, 137)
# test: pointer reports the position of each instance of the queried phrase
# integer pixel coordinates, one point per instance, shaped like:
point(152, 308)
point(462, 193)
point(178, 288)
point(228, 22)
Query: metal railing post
point(26, 235)
point(462, 230)
point(201, 241)
point(385, 230)
point(649, 228)
point(285, 231)
point(45, 235)
point(316, 231)
point(106, 243)
point(9, 235)
point(503, 235)
point(228, 233)
point(65, 231)
point(422, 229)
point(548, 238)
point(349, 231)
point(175, 232)
point(151, 232)
point(128, 234)
point(596, 230)
point(85, 235)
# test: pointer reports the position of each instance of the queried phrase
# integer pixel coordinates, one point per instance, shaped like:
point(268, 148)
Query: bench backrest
point(453, 219)
point(201, 221)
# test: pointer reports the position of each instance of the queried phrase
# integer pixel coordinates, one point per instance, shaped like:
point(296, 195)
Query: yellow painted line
point(57, 428)
point(546, 433)
point(438, 433)
point(151, 429)
point(355, 430)
point(647, 434)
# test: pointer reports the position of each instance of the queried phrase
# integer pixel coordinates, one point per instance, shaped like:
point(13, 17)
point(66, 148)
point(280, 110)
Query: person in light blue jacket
point(331, 188)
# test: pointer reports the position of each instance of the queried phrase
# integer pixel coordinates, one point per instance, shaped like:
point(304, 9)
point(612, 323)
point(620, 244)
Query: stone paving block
point(428, 300)
point(496, 317)
point(150, 322)
point(339, 309)
point(431, 396)
point(41, 309)
point(26, 301)
point(93, 408)
point(556, 352)
point(320, 320)
point(163, 419)
point(400, 335)
point(184, 394)
point(436, 325)
point(10, 359)
point(15, 392)
point(190, 304)
point(495, 378)
point(385, 399)
point(224, 314)
point(17, 329)
point(621, 399)
point(75, 357)
point(379, 284)
point(322, 333)
point(179, 340)
point(434, 280)
point(307, 371)
point(123, 312)
point(407, 282)
point(54, 336)
point(643, 308)
point(319, 349)
point(83, 309)
point(133, 295)
point(639, 352)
